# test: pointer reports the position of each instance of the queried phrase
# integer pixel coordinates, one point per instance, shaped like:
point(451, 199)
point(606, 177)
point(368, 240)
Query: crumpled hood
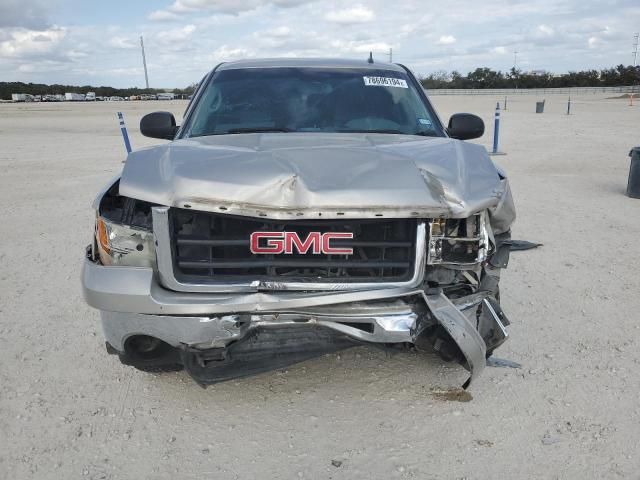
point(333, 175)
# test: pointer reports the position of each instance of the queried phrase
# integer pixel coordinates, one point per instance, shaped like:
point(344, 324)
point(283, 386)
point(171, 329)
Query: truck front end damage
point(259, 332)
point(303, 206)
point(179, 287)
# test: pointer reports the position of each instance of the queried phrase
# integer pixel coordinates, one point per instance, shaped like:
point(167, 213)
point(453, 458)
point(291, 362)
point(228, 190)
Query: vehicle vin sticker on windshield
point(385, 82)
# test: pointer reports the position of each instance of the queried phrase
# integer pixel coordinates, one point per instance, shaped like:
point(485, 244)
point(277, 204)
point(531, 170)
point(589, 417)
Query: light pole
point(144, 63)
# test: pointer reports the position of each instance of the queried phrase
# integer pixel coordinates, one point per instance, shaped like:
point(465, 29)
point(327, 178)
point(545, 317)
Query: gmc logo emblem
point(285, 242)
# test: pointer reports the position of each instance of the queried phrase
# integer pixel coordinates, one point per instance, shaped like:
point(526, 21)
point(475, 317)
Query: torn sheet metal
point(502, 363)
point(517, 245)
point(462, 331)
point(393, 321)
point(503, 214)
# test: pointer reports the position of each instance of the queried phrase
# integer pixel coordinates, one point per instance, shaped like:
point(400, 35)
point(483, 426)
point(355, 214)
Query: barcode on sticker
point(385, 82)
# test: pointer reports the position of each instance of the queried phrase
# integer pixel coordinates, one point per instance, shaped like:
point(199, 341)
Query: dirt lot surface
point(68, 410)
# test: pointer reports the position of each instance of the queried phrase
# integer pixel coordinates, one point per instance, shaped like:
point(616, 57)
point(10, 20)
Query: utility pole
point(144, 63)
point(515, 66)
point(391, 53)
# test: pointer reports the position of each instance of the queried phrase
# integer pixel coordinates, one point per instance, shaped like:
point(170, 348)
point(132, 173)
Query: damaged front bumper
point(133, 303)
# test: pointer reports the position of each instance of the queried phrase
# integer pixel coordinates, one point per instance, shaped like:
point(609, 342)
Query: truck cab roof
point(309, 62)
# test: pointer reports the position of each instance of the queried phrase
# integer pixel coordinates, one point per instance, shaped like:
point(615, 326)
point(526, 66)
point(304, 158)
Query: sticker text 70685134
point(385, 82)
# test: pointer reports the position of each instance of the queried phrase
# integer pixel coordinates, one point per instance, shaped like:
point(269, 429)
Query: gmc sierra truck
point(303, 206)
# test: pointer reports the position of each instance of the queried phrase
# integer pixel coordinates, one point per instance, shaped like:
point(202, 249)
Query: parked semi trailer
point(74, 97)
point(21, 97)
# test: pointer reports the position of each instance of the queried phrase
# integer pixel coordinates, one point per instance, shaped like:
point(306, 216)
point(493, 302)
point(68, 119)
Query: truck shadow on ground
point(363, 371)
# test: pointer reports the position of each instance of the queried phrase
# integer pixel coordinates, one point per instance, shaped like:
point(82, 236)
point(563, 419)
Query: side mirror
point(159, 125)
point(465, 126)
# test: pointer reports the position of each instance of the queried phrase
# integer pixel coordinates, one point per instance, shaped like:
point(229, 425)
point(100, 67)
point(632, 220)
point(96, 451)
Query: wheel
point(150, 355)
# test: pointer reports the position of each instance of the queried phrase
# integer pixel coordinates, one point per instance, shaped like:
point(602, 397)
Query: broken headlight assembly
point(458, 241)
point(124, 245)
point(124, 231)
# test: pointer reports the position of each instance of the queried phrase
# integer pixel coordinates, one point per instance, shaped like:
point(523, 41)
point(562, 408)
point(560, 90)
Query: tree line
point(7, 88)
point(515, 78)
point(479, 78)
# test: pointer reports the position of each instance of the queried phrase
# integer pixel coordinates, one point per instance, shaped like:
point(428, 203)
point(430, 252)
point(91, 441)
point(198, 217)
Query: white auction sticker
point(385, 82)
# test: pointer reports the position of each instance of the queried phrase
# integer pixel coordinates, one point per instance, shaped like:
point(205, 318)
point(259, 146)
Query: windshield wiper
point(371, 131)
point(423, 133)
point(427, 133)
point(259, 130)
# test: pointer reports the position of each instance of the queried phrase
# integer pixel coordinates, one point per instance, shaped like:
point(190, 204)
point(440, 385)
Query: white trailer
point(21, 97)
point(90, 97)
point(165, 96)
point(74, 97)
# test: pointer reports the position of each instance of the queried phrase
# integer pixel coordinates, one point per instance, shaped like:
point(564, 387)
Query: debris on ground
point(452, 395)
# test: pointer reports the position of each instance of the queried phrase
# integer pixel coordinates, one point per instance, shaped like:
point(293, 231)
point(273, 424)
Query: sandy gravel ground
point(68, 410)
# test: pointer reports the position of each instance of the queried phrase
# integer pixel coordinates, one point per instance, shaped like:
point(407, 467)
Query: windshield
point(311, 100)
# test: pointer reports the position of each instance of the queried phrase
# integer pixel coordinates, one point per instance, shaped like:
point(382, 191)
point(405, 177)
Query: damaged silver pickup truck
point(302, 207)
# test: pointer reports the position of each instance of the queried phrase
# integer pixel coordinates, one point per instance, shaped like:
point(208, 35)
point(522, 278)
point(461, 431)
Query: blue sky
point(97, 43)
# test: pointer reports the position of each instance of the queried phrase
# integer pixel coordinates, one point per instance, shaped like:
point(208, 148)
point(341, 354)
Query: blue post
point(496, 128)
point(569, 106)
point(123, 130)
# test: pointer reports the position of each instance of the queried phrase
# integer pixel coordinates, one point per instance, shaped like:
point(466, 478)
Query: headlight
point(458, 241)
point(124, 245)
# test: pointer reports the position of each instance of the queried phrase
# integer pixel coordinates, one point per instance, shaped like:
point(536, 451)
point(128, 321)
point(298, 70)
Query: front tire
point(149, 355)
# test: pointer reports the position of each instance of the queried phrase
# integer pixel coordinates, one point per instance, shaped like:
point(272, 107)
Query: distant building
point(537, 73)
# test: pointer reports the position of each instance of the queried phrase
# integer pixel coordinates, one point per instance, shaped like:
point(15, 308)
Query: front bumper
point(132, 302)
